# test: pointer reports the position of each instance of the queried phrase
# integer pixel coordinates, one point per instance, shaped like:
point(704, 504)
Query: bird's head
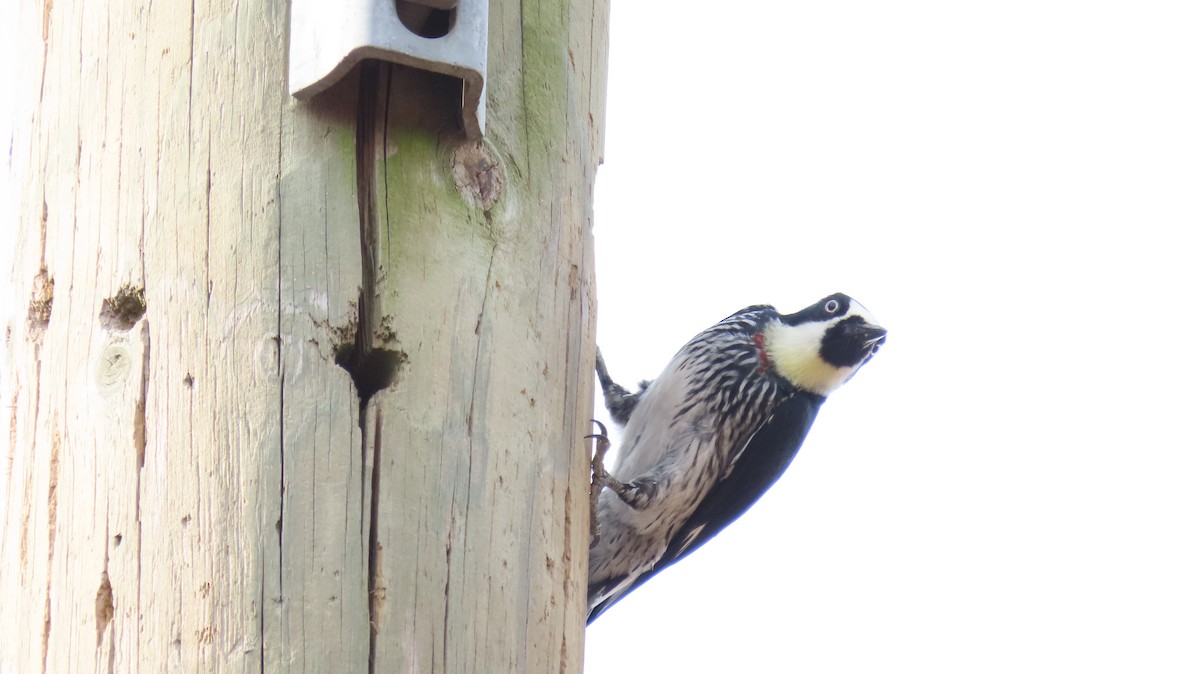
point(821, 347)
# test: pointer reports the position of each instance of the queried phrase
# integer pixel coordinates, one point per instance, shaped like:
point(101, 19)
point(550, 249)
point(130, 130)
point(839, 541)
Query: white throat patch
point(795, 353)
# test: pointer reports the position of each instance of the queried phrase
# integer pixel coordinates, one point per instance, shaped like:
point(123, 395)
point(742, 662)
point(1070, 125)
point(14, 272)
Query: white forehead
point(857, 309)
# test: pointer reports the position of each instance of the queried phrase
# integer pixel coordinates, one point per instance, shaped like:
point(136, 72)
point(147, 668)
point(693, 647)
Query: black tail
point(617, 399)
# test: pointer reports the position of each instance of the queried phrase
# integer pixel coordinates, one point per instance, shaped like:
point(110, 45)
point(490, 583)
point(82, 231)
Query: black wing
point(767, 455)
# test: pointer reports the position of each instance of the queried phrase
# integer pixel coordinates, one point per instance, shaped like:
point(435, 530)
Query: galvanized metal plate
point(328, 37)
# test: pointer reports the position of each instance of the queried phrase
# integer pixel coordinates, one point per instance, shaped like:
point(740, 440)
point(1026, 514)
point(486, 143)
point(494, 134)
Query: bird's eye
point(831, 307)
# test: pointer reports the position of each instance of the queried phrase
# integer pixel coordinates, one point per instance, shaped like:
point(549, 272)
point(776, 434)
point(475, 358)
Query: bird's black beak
point(871, 336)
point(851, 342)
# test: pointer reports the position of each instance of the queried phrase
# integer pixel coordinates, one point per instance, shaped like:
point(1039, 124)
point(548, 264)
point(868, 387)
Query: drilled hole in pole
point(371, 372)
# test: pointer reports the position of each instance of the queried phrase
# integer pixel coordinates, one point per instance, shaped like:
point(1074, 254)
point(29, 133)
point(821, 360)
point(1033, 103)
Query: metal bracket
point(328, 37)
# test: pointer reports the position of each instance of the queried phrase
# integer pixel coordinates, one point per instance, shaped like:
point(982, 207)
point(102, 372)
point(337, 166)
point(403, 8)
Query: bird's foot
point(600, 445)
point(637, 494)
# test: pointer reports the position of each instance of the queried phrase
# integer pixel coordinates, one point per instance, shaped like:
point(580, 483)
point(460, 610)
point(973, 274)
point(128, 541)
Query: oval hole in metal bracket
point(425, 21)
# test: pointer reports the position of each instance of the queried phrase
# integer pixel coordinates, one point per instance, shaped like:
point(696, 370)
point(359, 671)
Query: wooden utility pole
point(295, 386)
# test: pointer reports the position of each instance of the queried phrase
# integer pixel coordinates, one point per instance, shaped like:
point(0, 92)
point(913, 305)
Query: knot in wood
point(478, 174)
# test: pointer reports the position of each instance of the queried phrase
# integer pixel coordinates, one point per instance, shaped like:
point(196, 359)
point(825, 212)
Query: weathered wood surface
point(189, 484)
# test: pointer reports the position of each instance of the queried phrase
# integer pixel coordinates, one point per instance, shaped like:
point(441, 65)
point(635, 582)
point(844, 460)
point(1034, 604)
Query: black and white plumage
point(717, 428)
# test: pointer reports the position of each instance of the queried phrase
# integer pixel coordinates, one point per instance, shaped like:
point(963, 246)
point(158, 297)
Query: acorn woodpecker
point(713, 432)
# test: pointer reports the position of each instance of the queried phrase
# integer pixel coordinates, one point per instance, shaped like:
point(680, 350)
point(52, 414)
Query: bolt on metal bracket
point(328, 37)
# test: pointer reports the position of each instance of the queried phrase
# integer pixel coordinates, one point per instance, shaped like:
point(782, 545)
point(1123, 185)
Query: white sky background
point(1013, 189)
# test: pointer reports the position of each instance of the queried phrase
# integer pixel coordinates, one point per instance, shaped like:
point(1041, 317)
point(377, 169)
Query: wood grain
point(191, 483)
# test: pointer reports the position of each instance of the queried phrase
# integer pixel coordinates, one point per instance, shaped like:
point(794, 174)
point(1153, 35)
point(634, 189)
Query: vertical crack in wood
point(262, 606)
point(480, 353)
point(446, 597)
point(139, 410)
point(139, 448)
point(369, 129)
point(262, 618)
point(371, 369)
point(280, 374)
point(375, 594)
point(52, 525)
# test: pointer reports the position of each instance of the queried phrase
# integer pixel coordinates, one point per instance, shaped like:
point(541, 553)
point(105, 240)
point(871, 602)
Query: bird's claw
point(601, 437)
point(600, 476)
point(636, 494)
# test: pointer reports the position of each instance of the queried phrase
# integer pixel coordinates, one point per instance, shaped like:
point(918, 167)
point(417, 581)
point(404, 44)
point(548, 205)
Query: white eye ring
point(831, 306)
